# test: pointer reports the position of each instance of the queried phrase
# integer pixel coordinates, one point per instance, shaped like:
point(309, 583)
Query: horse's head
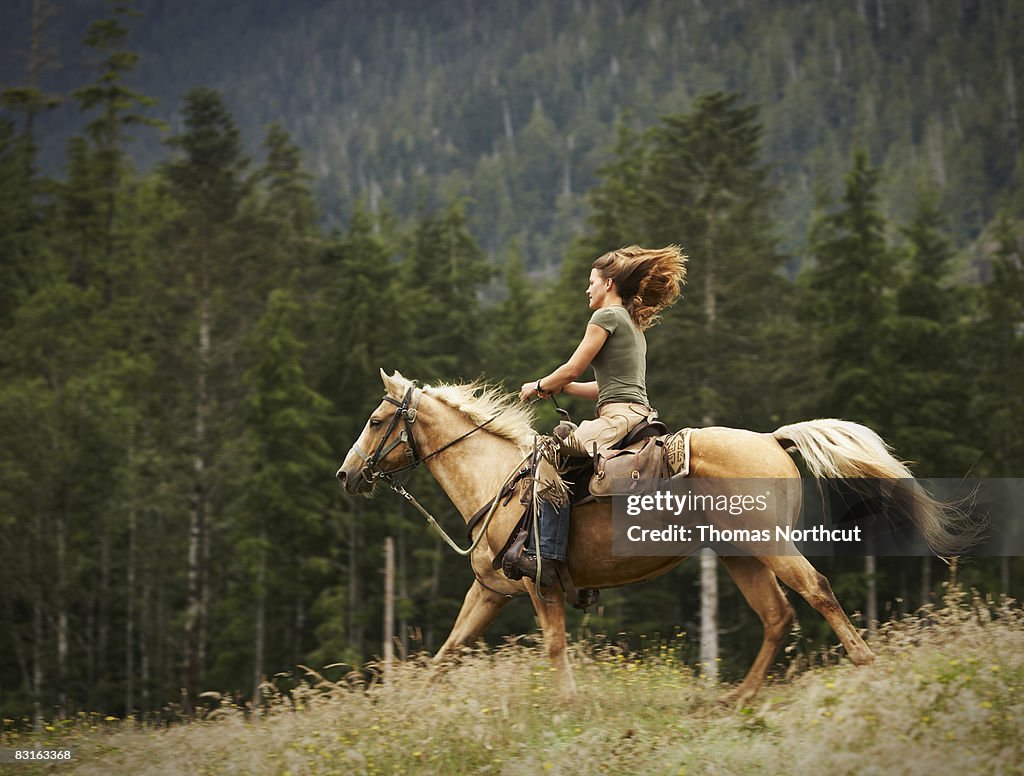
point(386, 441)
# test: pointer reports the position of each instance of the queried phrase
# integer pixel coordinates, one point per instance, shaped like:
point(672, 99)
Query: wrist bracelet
point(539, 389)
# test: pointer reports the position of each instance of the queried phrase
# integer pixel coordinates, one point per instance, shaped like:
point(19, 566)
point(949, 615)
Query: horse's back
point(722, 452)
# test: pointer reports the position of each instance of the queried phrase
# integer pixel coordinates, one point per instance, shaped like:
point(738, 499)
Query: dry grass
point(944, 696)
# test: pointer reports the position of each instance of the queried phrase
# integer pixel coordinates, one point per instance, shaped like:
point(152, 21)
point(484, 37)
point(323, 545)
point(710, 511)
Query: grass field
point(943, 697)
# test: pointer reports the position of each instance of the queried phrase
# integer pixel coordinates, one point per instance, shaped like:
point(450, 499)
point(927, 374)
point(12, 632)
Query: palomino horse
point(472, 438)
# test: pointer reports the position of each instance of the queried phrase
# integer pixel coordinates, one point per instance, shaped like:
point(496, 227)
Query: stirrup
point(510, 560)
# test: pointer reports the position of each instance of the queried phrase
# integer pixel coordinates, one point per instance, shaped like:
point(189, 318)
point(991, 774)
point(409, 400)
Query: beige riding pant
point(614, 420)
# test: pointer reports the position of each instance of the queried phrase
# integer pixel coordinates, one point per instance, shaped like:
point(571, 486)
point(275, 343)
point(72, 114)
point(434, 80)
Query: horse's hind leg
point(798, 574)
point(761, 589)
point(479, 609)
point(551, 613)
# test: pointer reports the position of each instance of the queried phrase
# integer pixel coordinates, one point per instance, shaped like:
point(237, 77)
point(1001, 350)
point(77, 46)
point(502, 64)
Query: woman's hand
point(529, 391)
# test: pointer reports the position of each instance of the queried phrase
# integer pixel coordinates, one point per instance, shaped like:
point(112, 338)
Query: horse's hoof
point(865, 658)
point(736, 697)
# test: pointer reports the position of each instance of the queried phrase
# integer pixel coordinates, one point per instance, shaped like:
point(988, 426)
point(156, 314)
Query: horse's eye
point(374, 422)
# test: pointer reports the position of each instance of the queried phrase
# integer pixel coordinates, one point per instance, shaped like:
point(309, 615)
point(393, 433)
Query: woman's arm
point(567, 373)
point(583, 390)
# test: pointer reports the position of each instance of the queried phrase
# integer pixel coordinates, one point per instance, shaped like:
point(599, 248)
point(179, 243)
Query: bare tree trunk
point(435, 585)
point(204, 609)
point(1011, 107)
point(300, 626)
point(570, 144)
point(904, 603)
point(871, 604)
point(146, 630)
point(709, 614)
point(195, 616)
point(39, 59)
point(403, 594)
point(354, 629)
point(62, 612)
point(129, 619)
point(195, 600)
point(261, 614)
point(102, 603)
point(37, 660)
point(708, 559)
point(389, 604)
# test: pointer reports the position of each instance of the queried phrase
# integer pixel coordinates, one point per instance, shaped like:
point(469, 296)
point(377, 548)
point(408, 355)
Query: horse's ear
point(392, 383)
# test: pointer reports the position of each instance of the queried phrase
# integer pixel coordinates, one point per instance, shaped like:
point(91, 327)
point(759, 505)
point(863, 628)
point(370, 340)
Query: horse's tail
point(841, 449)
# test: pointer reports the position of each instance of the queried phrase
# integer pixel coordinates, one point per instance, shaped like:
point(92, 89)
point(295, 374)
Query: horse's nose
point(342, 476)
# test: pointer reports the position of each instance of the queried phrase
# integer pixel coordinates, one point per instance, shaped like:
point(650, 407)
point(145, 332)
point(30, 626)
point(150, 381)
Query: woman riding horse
point(627, 289)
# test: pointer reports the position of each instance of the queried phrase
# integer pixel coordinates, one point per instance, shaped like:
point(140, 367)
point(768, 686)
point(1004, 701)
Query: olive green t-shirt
point(621, 364)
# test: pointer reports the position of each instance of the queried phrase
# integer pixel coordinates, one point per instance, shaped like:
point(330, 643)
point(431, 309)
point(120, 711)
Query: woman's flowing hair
point(647, 279)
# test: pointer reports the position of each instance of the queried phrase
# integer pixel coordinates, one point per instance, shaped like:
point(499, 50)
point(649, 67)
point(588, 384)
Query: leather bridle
point(406, 412)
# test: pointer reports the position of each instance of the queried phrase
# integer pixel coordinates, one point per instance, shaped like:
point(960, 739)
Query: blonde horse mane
point(481, 402)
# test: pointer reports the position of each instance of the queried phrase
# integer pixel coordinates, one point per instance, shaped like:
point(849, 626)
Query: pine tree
point(283, 238)
point(283, 496)
point(927, 340)
point(511, 338)
point(851, 301)
point(31, 98)
point(118, 108)
point(22, 268)
point(207, 183)
point(443, 276)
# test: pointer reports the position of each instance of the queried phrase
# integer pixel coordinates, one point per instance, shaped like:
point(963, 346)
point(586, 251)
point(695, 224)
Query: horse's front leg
point(551, 613)
point(479, 609)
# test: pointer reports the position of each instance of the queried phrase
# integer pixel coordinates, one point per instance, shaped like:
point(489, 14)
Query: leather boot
point(527, 564)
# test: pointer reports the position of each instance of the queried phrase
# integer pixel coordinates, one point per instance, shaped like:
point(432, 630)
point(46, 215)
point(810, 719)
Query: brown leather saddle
point(644, 442)
point(636, 459)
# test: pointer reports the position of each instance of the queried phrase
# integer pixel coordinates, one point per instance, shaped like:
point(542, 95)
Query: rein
point(401, 491)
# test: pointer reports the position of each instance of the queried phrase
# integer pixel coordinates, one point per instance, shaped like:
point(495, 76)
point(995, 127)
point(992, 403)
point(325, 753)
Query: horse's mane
point(480, 402)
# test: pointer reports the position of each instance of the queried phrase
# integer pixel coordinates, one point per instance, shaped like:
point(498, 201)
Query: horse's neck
point(472, 470)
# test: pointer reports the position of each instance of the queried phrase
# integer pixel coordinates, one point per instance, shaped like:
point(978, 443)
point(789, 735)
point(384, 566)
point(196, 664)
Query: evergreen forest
point(218, 221)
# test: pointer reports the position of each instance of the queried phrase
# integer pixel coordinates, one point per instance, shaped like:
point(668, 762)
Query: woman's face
point(597, 289)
